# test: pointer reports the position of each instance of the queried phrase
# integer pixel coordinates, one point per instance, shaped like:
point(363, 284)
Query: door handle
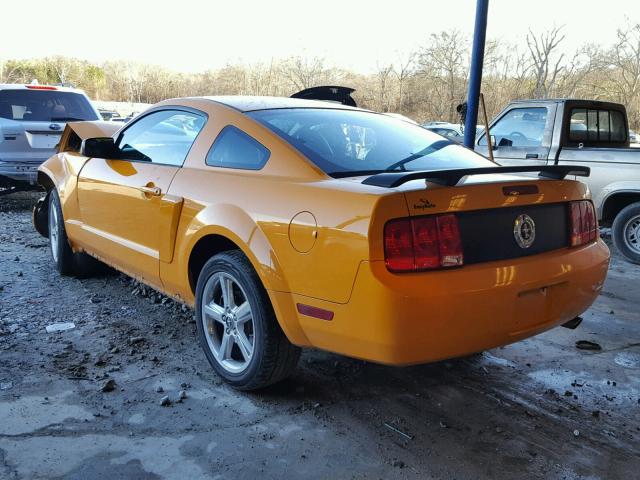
point(151, 191)
point(531, 155)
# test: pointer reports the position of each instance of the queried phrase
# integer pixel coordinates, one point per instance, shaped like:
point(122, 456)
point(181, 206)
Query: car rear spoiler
point(328, 93)
point(452, 177)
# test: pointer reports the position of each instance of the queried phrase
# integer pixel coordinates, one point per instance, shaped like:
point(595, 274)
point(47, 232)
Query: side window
point(520, 127)
point(235, 149)
point(596, 126)
point(161, 137)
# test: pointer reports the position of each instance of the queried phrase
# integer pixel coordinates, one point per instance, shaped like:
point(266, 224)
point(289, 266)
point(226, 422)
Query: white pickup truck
point(578, 132)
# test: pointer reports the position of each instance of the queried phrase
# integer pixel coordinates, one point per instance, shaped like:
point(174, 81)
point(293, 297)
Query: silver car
point(452, 131)
point(32, 119)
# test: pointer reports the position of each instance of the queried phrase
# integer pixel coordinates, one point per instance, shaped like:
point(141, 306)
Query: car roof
point(245, 103)
point(564, 100)
point(38, 87)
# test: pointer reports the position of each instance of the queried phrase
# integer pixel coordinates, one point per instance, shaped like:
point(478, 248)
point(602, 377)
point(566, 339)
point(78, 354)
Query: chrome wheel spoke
point(53, 231)
point(214, 312)
point(227, 292)
point(242, 313)
point(244, 345)
point(224, 353)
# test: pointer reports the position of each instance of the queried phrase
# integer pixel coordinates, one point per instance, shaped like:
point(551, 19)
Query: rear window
point(589, 125)
point(45, 106)
point(235, 149)
point(341, 142)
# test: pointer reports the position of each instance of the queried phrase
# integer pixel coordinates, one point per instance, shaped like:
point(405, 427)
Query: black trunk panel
point(487, 235)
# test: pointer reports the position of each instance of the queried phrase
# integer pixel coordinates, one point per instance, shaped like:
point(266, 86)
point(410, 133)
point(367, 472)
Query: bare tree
point(303, 72)
point(384, 87)
point(625, 57)
point(63, 68)
point(443, 62)
point(573, 79)
point(546, 64)
point(405, 69)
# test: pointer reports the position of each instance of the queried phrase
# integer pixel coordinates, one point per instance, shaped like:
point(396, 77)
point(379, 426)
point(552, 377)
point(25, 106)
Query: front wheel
point(626, 232)
point(66, 261)
point(237, 327)
point(59, 245)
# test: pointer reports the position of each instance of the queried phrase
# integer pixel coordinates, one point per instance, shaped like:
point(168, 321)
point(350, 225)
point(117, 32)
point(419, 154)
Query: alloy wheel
point(53, 231)
point(227, 321)
point(632, 234)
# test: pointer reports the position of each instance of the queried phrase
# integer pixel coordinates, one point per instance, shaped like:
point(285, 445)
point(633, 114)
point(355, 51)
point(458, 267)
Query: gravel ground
point(127, 393)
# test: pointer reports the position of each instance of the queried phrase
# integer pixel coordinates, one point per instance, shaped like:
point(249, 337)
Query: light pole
point(475, 75)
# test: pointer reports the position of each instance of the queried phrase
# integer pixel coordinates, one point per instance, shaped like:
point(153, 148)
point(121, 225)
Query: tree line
point(425, 84)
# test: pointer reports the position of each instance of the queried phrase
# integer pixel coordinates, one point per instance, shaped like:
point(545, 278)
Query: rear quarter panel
point(255, 209)
point(256, 213)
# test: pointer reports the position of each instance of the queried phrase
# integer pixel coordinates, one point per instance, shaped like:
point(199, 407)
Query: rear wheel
point(67, 262)
point(237, 327)
point(626, 232)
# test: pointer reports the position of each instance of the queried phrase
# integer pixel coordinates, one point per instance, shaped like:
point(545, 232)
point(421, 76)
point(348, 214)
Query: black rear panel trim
point(488, 235)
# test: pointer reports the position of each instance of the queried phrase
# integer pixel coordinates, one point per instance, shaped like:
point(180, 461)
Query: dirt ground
point(540, 408)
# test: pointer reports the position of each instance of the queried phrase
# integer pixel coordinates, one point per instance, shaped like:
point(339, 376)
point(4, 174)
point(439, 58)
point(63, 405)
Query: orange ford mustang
point(294, 223)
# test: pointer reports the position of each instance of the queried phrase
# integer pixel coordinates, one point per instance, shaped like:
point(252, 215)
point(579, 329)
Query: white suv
point(32, 119)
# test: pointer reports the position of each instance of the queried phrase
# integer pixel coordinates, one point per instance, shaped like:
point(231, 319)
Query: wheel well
point(44, 180)
point(41, 209)
point(204, 249)
point(615, 203)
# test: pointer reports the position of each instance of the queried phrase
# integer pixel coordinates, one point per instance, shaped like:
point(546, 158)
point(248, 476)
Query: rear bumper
point(21, 171)
point(424, 317)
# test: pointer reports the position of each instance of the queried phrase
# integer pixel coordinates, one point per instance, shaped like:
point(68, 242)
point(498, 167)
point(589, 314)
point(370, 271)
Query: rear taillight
point(450, 241)
point(422, 243)
point(583, 226)
point(398, 245)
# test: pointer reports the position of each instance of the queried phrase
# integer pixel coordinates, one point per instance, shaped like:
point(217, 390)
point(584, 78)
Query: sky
point(192, 36)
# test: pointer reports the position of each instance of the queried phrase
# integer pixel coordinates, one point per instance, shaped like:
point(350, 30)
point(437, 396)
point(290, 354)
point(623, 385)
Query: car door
point(127, 217)
point(522, 135)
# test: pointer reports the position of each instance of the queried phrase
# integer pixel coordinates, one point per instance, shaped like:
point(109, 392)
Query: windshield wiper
point(354, 173)
point(434, 147)
point(66, 119)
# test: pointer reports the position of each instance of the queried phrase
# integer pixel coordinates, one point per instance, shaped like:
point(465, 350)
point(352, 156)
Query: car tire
point(626, 232)
point(66, 261)
point(256, 352)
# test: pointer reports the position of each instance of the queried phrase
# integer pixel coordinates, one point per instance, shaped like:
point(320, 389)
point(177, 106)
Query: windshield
point(45, 106)
point(343, 142)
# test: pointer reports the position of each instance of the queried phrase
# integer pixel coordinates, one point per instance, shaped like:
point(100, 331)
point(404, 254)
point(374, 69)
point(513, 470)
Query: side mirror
point(494, 145)
point(102, 147)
